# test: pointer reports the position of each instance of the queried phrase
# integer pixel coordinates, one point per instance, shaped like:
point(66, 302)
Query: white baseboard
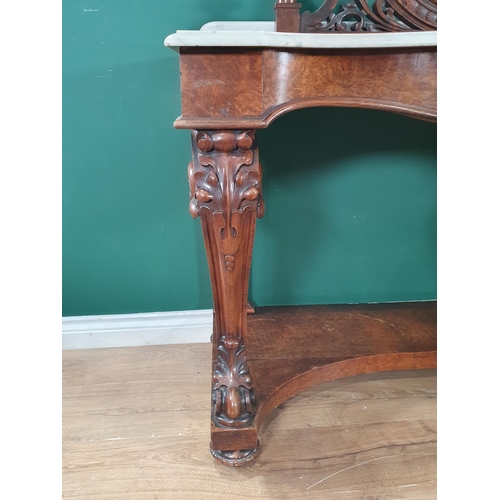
point(122, 330)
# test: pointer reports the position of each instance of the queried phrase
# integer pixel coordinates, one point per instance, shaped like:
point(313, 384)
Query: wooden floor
point(136, 426)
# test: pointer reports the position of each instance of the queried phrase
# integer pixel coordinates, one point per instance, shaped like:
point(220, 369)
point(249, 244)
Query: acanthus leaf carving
point(232, 393)
point(225, 179)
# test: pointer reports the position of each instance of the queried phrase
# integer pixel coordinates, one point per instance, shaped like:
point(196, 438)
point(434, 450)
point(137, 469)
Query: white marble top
point(262, 34)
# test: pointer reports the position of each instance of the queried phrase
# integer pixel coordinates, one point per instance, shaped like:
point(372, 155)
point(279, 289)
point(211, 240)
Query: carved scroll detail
point(232, 394)
point(381, 16)
point(225, 180)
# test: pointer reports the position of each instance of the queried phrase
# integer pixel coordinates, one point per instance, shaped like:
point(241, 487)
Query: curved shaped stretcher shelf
point(324, 343)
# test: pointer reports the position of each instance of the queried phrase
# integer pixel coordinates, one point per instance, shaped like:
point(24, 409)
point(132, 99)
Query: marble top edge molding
point(261, 34)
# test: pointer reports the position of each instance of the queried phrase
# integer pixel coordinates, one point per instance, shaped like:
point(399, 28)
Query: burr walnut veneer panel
point(222, 84)
point(401, 80)
point(245, 88)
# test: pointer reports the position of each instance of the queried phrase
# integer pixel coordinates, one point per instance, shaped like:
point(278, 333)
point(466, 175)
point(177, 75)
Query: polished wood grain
point(221, 83)
point(287, 16)
point(228, 93)
point(291, 349)
point(225, 180)
point(135, 427)
point(226, 193)
point(397, 80)
point(242, 88)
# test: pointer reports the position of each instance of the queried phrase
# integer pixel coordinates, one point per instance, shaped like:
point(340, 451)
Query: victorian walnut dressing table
point(239, 77)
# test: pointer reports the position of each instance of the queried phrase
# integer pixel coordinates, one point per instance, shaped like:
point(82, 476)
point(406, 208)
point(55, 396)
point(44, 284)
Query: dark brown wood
point(398, 80)
point(360, 16)
point(241, 88)
point(221, 83)
point(324, 343)
point(225, 185)
point(228, 93)
point(291, 349)
point(287, 16)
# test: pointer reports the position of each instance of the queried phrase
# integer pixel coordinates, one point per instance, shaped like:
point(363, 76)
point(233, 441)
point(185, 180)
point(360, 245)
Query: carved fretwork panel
point(226, 193)
point(381, 15)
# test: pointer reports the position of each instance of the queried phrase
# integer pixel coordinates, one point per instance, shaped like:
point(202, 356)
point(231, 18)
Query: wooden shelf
point(290, 349)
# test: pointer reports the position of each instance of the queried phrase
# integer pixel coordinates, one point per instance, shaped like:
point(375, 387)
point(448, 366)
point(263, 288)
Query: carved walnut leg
point(225, 184)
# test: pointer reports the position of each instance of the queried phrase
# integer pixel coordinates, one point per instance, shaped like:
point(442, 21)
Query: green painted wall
point(350, 194)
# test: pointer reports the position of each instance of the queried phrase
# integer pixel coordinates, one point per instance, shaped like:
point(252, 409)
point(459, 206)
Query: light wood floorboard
point(136, 426)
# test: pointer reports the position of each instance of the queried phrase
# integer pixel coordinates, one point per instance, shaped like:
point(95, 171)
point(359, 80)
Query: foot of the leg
point(235, 458)
point(233, 403)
